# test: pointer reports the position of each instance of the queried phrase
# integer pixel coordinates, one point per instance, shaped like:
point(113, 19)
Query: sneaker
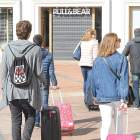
point(136, 108)
point(37, 126)
point(85, 102)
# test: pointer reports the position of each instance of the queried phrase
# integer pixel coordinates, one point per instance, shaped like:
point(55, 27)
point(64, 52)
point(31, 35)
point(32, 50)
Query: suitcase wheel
point(89, 108)
point(71, 133)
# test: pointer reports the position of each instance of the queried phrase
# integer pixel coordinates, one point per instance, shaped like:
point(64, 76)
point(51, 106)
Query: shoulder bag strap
point(111, 69)
point(30, 48)
point(11, 50)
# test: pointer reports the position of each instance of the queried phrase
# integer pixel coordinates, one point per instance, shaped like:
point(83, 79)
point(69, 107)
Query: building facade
point(63, 23)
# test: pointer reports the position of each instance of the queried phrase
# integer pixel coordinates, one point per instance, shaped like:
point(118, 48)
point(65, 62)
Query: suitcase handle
point(119, 109)
point(59, 92)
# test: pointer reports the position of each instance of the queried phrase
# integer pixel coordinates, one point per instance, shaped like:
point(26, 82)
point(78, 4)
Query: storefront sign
point(71, 11)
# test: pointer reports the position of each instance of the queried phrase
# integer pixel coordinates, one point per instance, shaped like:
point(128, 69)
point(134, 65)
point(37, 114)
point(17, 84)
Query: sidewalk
point(87, 124)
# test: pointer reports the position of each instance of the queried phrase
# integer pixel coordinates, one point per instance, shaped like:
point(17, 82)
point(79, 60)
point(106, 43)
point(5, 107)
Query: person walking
point(48, 66)
point(25, 99)
point(133, 48)
point(107, 90)
point(89, 50)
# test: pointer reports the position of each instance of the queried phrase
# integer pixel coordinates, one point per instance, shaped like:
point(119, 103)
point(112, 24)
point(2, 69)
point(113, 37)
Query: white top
point(89, 50)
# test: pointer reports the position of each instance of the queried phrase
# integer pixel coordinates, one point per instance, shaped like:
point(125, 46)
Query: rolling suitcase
point(67, 124)
point(50, 122)
point(90, 104)
point(121, 136)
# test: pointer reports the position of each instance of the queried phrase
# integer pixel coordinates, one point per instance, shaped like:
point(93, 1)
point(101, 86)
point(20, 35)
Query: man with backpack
point(133, 47)
point(21, 69)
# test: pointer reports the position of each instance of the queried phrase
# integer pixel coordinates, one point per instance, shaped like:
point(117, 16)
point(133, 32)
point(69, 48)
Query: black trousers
point(17, 107)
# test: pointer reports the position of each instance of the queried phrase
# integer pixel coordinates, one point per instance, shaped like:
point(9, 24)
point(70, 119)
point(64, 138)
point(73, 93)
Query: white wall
point(120, 19)
point(116, 20)
point(26, 13)
point(106, 17)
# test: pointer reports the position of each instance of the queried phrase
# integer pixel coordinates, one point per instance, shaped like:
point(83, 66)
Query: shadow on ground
point(94, 119)
point(83, 131)
point(95, 139)
point(137, 135)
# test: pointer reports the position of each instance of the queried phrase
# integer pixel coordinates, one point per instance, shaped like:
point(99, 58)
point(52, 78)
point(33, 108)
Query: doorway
point(134, 20)
point(63, 28)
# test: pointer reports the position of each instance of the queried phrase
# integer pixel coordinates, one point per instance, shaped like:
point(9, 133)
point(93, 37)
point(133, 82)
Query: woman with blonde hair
point(108, 90)
point(89, 50)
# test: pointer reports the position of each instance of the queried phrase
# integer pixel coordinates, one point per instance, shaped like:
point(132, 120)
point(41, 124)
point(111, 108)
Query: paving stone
point(87, 124)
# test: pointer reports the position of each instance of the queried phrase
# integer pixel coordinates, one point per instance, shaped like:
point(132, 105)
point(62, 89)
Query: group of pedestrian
point(107, 72)
point(98, 65)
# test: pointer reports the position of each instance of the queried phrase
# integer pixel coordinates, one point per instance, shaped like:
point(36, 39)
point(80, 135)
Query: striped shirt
point(89, 50)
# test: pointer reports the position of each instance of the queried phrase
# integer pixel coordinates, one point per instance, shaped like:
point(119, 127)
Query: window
point(6, 26)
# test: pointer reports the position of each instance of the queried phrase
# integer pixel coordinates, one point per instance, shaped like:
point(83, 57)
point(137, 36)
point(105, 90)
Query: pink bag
point(121, 136)
point(67, 124)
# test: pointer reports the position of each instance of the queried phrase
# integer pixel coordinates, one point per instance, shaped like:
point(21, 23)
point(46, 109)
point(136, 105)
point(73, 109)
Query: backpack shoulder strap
point(11, 51)
point(25, 53)
point(30, 48)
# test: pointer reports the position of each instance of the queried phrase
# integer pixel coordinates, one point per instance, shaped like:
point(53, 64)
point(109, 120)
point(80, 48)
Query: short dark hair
point(23, 29)
point(38, 39)
point(137, 32)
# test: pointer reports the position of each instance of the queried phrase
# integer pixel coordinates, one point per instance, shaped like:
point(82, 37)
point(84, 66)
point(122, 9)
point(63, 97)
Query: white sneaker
point(136, 108)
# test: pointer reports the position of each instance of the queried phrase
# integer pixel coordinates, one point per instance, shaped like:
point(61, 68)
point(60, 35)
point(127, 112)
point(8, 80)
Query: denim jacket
point(105, 86)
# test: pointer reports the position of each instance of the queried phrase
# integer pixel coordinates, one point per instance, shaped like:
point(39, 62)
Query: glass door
point(134, 20)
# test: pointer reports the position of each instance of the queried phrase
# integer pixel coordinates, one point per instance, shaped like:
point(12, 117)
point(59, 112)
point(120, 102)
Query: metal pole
point(7, 26)
point(93, 18)
point(117, 120)
point(127, 121)
point(50, 30)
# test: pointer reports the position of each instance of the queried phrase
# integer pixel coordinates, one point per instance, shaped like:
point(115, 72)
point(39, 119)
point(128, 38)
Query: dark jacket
point(133, 47)
point(48, 66)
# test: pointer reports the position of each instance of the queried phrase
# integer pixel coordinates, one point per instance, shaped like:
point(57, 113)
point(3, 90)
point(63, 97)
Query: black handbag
point(130, 94)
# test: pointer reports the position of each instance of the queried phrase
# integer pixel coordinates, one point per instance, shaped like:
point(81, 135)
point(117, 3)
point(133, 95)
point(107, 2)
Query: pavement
point(87, 124)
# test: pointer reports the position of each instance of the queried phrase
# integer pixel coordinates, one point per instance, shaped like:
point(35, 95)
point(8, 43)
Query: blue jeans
point(86, 72)
point(46, 96)
point(135, 80)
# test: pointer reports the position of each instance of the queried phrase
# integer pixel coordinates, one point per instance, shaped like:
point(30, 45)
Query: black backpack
point(20, 71)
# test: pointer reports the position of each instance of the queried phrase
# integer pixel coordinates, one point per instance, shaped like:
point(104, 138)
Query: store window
point(6, 26)
point(63, 28)
point(68, 29)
